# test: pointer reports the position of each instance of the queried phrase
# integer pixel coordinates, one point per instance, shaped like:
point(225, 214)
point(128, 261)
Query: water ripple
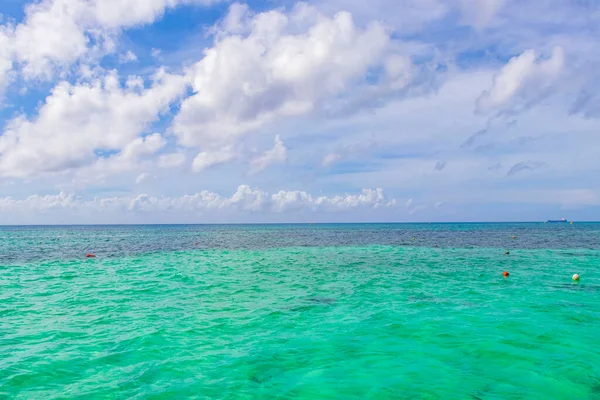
point(360, 321)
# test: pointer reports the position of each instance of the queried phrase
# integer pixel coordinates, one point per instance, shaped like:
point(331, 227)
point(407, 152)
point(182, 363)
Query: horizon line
point(299, 223)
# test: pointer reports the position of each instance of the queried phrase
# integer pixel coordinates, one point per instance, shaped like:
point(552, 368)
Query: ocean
point(340, 311)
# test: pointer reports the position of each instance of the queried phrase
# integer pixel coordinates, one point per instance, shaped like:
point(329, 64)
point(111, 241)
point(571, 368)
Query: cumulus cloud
point(171, 160)
point(6, 62)
point(39, 203)
point(236, 22)
point(522, 82)
point(78, 120)
point(142, 177)
point(244, 199)
point(405, 16)
point(206, 159)
point(142, 146)
point(479, 13)
point(300, 200)
point(128, 57)
point(56, 33)
point(289, 71)
point(136, 155)
point(272, 65)
point(278, 154)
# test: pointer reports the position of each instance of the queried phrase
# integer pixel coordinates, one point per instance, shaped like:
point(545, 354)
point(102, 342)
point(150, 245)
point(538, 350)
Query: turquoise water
point(300, 312)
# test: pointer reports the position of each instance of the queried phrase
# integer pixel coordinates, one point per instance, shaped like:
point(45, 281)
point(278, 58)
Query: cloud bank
point(133, 102)
point(245, 199)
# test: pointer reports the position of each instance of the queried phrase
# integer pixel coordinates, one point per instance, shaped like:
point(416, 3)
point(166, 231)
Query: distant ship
point(564, 220)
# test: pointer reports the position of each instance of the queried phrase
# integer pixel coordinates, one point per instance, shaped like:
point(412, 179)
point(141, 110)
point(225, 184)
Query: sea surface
point(360, 311)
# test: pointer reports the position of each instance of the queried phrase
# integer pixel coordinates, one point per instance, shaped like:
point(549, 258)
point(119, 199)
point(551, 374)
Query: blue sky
point(192, 111)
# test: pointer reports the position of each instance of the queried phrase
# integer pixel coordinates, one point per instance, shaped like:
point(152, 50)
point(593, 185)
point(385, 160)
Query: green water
point(357, 322)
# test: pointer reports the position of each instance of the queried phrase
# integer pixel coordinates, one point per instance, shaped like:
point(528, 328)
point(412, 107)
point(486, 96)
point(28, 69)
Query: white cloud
point(331, 159)
point(155, 53)
point(171, 160)
point(405, 16)
point(522, 81)
point(300, 200)
point(126, 13)
point(236, 21)
point(51, 36)
point(290, 71)
point(142, 146)
point(57, 33)
point(283, 66)
point(479, 13)
point(418, 208)
point(356, 150)
point(278, 154)
point(244, 199)
point(39, 203)
point(6, 62)
point(77, 120)
point(142, 178)
point(206, 160)
point(129, 56)
point(134, 156)
point(413, 209)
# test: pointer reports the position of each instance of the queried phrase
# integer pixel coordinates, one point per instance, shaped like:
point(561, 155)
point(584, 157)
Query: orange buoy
point(90, 255)
point(576, 277)
point(505, 274)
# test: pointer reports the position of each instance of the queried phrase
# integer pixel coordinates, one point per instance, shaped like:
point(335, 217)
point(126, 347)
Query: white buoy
point(576, 277)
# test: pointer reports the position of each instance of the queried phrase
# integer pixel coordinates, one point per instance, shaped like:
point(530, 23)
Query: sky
point(214, 111)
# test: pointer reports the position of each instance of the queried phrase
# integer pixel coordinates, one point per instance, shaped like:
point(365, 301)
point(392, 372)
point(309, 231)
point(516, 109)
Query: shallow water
point(299, 312)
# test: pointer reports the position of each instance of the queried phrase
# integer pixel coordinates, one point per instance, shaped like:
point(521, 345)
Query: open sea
point(357, 311)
